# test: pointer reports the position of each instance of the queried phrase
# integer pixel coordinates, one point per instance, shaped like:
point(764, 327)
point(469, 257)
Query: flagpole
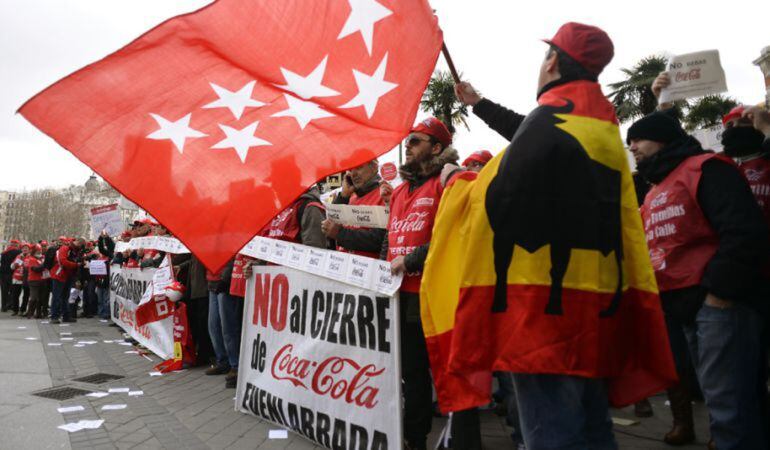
point(449, 62)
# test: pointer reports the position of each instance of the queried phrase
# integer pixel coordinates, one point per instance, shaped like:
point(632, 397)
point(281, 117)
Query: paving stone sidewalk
point(181, 410)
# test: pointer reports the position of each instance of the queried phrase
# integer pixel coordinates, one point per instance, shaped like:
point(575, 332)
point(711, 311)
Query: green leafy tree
point(440, 101)
point(707, 111)
point(633, 96)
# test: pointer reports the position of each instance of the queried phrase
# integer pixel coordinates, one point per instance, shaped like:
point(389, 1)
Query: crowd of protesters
point(713, 272)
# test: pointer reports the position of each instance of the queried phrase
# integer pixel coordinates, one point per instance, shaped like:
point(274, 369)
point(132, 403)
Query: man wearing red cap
point(6, 273)
point(541, 188)
point(477, 160)
point(413, 207)
point(67, 261)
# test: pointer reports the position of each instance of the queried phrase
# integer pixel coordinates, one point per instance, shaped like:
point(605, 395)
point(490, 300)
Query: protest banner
point(127, 287)
point(166, 244)
point(359, 271)
point(106, 218)
point(694, 75)
point(370, 216)
point(321, 358)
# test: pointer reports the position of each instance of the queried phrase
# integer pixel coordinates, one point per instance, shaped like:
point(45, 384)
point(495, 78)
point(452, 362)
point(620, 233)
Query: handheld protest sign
point(694, 75)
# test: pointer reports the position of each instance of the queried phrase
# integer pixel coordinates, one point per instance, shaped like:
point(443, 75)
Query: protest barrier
point(320, 357)
point(127, 287)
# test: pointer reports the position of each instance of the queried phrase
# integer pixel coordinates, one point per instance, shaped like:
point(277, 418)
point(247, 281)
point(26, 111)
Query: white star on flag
point(237, 101)
point(363, 15)
point(309, 86)
point(240, 140)
point(177, 131)
point(303, 111)
point(370, 88)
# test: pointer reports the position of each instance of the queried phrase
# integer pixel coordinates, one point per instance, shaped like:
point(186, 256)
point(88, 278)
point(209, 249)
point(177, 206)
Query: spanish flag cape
point(540, 264)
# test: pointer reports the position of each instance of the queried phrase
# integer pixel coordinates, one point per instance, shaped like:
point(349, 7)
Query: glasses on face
point(413, 140)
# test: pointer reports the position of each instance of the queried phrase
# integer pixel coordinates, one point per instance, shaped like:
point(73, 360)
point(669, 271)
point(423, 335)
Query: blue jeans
point(563, 412)
point(726, 345)
point(59, 300)
point(215, 328)
point(103, 296)
point(231, 313)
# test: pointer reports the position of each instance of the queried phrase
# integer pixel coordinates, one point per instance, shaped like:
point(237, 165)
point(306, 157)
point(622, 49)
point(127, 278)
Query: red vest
point(680, 239)
point(237, 282)
point(131, 263)
point(411, 223)
point(18, 272)
point(29, 263)
point(63, 268)
point(372, 198)
point(286, 225)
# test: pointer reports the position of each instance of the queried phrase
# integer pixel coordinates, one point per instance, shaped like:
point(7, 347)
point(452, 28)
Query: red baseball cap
point(14, 241)
point(43, 242)
point(61, 238)
point(434, 127)
point(481, 156)
point(734, 113)
point(590, 46)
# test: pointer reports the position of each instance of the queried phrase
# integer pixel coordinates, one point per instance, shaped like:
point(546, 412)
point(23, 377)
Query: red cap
point(481, 156)
point(26, 244)
point(588, 45)
point(37, 248)
point(61, 238)
point(43, 242)
point(14, 241)
point(434, 127)
point(734, 113)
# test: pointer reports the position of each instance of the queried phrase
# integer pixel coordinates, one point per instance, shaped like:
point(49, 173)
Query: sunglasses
point(413, 140)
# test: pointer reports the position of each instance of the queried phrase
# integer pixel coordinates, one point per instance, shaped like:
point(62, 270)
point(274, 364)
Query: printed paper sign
point(694, 75)
point(106, 218)
point(161, 243)
point(97, 267)
point(369, 216)
point(320, 358)
point(710, 138)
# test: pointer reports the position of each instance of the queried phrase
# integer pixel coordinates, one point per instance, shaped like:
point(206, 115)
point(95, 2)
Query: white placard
point(317, 351)
point(161, 243)
point(97, 267)
point(106, 218)
point(694, 75)
point(368, 216)
point(710, 138)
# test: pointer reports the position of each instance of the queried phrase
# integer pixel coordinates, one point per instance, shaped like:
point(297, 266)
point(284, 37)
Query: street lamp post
point(764, 65)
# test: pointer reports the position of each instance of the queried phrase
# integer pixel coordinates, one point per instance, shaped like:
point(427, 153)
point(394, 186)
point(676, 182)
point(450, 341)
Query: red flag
point(158, 308)
point(215, 121)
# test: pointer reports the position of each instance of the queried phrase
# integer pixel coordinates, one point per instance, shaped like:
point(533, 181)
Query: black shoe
point(217, 370)
point(54, 321)
point(231, 383)
point(69, 320)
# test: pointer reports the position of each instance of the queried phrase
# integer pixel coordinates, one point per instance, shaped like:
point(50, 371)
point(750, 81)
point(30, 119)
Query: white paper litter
point(118, 390)
point(79, 345)
point(87, 342)
point(66, 339)
point(45, 322)
point(125, 343)
point(54, 344)
point(113, 407)
point(64, 324)
point(21, 328)
point(278, 434)
point(108, 342)
point(103, 321)
point(81, 425)
point(135, 393)
point(132, 352)
point(69, 409)
point(156, 374)
point(30, 338)
point(97, 394)
point(64, 334)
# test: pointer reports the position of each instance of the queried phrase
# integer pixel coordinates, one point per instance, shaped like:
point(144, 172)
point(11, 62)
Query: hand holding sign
point(694, 75)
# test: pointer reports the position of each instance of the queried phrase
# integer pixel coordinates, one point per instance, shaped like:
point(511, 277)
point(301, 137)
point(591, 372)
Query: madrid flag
point(217, 120)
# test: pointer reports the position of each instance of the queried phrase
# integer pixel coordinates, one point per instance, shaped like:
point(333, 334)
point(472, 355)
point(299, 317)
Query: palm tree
point(633, 96)
point(440, 101)
point(708, 111)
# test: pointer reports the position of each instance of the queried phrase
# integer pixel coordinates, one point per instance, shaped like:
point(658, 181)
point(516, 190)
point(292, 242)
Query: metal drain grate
point(98, 378)
point(61, 393)
point(84, 334)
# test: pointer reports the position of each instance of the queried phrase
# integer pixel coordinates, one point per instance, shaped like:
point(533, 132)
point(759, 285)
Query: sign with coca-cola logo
point(388, 171)
point(694, 75)
point(319, 358)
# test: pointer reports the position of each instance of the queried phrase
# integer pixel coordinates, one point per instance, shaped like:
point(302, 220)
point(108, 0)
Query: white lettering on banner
point(127, 287)
point(369, 216)
point(161, 243)
point(320, 358)
point(368, 273)
point(694, 75)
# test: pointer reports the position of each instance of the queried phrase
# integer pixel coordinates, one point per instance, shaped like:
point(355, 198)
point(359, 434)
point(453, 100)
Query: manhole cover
point(98, 378)
point(61, 393)
point(84, 334)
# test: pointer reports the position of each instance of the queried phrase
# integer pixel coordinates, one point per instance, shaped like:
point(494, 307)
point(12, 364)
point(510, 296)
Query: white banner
point(127, 287)
point(369, 216)
point(166, 244)
point(106, 218)
point(360, 271)
point(320, 358)
point(694, 75)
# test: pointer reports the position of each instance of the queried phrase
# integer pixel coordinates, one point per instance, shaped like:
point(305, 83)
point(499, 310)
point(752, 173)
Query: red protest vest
point(18, 272)
point(757, 173)
point(411, 223)
point(29, 263)
point(131, 263)
point(63, 268)
point(237, 281)
point(372, 198)
point(286, 225)
point(680, 239)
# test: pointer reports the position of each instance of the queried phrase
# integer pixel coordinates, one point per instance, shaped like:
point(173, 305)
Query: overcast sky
point(495, 43)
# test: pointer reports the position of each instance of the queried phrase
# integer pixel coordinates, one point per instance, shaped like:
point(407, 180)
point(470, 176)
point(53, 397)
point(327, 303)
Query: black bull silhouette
point(549, 191)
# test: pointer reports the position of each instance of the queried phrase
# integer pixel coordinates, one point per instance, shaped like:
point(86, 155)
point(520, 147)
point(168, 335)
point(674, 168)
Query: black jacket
point(6, 259)
point(50, 257)
point(724, 196)
point(106, 246)
point(361, 239)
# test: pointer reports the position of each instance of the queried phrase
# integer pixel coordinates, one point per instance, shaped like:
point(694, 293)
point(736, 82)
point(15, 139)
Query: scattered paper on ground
point(87, 342)
point(134, 352)
point(113, 407)
point(54, 344)
point(79, 345)
point(135, 393)
point(65, 333)
point(103, 321)
point(97, 394)
point(156, 374)
point(66, 339)
point(116, 390)
point(278, 434)
point(108, 342)
point(624, 422)
point(69, 409)
point(81, 425)
point(21, 328)
point(30, 338)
